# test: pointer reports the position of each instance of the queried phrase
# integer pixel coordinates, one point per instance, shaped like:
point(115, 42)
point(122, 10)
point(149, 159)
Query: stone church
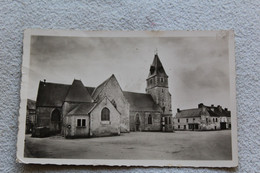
point(79, 111)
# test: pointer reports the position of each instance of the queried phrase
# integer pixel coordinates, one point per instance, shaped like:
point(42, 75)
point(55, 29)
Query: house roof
point(78, 93)
point(219, 113)
point(53, 94)
point(99, 88)
point(90, 89)
point(81, 109)
point(31, 104)
point(189, 113)
point(141, 102)
point(157, 67)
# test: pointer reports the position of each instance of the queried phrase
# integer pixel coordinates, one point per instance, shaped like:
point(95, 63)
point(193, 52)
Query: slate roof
point(31, 104)
point(78, 93)
point(157, 67)
point(196, 112)
point(99, 88)
point(53, 94)
point(189, 113)
point(218, 113)
point(81, 109)
point(141, 102)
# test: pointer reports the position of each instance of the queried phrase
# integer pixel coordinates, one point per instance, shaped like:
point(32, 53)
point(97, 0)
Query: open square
point(181, 145)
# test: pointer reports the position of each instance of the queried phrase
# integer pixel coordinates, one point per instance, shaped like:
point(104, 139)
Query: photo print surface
point(128, 98)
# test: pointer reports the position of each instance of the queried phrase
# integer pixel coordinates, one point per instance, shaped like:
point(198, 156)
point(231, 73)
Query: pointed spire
point(157, 67)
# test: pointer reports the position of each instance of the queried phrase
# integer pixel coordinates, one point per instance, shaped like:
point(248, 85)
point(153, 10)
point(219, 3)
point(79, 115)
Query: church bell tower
point(157, 85)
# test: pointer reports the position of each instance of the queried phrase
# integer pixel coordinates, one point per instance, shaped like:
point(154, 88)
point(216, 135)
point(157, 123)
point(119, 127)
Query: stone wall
point(113, 91)
point(43, 118)
point(71, 128)
point(143, 117)
point(104, 128)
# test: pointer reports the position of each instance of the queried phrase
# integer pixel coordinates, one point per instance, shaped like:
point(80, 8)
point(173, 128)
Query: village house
point(203, 118)
point(79, 111)
point(30, 116)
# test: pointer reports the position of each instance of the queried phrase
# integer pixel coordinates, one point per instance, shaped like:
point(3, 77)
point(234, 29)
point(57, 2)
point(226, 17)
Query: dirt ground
point(181, 145)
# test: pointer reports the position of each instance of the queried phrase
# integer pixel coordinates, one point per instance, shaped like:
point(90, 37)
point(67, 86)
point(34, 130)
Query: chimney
point(44, 82)
point(200, 105)
point(212, 105)
point(178, 110)
point(226, 109)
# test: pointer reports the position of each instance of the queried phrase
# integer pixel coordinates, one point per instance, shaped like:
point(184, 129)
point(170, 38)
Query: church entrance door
point(56, 121)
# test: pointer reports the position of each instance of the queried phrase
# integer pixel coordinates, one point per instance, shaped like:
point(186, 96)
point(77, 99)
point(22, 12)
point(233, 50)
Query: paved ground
point(211, 145)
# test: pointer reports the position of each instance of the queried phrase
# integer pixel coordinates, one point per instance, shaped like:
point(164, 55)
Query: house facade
point(30, 116)
point(79, 111)
point(203, 118)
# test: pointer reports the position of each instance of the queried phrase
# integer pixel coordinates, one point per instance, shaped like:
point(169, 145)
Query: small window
point(193, 119)
point(150, 120)
point(187, 120)
point(184, 126)
point(216, 119)
point(206, 119)
point(105, 114)
point(162, 90)
point(178, 120)
point(166, 120)
point(170, 120)
point(213, 119)
point(81, 122)
point(178, 126)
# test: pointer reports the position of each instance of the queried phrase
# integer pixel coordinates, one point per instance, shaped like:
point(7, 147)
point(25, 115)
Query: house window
point(206, 119)
point(105, 114)
point(184, 126)
point(178, 120)
point(170, 120)
point(81, 122)
point(193, 119)
point(166, 120)
point(216, 119)
point(150, 120)
point(187, 120)
point(213, 119)
point(178, 126)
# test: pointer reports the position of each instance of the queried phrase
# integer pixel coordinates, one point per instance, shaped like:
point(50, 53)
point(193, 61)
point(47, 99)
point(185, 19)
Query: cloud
point(197, 66)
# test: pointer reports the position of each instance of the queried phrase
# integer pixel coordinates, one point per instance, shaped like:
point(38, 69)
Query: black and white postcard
point(140, 98)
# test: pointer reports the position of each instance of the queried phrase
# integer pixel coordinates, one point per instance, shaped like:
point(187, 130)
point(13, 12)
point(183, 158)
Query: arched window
point(105, 114)
point(55, 115)
point(150, 120)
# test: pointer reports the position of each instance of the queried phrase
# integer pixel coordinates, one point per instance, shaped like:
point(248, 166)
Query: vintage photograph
point(128, 98)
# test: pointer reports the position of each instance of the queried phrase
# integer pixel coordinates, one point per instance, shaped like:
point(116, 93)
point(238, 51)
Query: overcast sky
point(197, 67)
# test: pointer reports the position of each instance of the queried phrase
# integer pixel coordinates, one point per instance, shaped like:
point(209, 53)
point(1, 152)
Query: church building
point(79, 111)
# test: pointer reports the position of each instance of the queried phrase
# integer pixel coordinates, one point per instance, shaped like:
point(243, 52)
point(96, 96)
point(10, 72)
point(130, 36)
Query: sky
point(198, 67)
